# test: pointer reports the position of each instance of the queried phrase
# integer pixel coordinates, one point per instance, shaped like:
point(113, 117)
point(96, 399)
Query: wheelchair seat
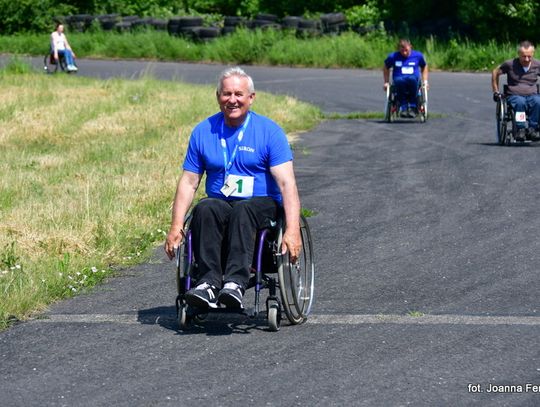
point(391, 108)
point(295, 281)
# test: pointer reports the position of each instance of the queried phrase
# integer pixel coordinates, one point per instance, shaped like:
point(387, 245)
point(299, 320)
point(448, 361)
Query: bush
point(30, 15)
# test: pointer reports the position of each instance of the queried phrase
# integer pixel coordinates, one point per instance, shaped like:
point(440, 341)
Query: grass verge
point(88, 173)
point(269, 47)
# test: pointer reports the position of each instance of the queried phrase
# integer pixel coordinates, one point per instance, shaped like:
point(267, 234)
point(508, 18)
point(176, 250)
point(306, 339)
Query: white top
point(58, 41)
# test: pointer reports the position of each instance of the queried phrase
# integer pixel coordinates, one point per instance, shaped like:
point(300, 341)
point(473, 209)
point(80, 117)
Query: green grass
point(348, 50)
point(88, 174)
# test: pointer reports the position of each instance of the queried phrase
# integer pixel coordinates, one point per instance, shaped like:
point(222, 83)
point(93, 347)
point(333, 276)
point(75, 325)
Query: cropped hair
point(235, 71)
point(404, 41)
point(525, 45)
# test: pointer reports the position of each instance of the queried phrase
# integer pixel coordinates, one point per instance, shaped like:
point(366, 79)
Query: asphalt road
point(427, 253)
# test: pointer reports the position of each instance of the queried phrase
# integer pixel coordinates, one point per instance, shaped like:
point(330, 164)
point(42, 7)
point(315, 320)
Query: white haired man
point(249, 177)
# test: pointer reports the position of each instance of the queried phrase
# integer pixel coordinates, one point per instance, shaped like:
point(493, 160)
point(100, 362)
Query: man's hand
point(292, 243)
point(385, 86)
point(173, 241)
point(496, 96)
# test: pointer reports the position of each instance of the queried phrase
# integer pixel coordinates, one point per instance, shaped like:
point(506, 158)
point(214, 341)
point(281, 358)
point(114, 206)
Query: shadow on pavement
point(211, 325)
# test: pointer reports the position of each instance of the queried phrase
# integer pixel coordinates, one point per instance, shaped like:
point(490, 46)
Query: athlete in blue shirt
point(249, 175)
point(408, 68)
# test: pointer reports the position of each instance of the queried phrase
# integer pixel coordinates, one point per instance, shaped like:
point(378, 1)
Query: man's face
point(405, 49)
point(526, 55)
point(235, 100)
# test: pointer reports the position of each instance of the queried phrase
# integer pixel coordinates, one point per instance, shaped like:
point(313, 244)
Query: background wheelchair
point(50, 65)
point(507, 119)
point(391, 108)
point(295, 281)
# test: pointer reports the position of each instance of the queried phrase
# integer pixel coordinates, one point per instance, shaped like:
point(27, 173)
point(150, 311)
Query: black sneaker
point(521, 135)
point(202, 296)
point(231, 296)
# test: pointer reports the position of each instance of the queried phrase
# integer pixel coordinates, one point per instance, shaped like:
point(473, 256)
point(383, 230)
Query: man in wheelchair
point(521, 90)
point(249, 176)
point(408, 68)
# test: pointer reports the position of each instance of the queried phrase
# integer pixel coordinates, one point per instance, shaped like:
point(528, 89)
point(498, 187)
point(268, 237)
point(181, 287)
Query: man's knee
point(209, 207)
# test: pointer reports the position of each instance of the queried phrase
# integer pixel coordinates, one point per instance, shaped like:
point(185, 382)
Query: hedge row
point(194, 27)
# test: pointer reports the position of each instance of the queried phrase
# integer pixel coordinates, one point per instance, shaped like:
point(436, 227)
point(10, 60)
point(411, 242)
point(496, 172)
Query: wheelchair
point(270, 271)
point(391, 107)
point(51, 65)
point(507, 120)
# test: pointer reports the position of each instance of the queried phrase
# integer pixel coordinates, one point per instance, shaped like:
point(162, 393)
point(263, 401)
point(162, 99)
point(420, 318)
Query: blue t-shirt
point(263, 145)
point(402, 66)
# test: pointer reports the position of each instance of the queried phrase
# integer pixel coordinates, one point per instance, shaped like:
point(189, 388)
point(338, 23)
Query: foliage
point(367, 14)
point(501, 19)
point(302, 7)
point(152, 8)
point(31, 15)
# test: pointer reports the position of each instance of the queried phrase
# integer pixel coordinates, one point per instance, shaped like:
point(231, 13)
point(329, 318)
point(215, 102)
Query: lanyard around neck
point(227, 163)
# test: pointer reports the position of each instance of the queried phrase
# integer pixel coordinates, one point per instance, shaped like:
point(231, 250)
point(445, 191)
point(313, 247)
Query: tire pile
point(193, 27)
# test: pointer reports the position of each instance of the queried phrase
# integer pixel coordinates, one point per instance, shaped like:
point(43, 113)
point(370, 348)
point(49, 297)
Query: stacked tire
point(333, 23)
point(290, 22)
point(79, 22)
point(108, 21)
point(192, 27)
point(308, 28)
point(265, 22)
point(231, 23)
point(184, 26)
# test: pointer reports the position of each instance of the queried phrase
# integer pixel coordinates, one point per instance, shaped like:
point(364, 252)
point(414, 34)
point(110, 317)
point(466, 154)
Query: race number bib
point(238, 186)
point(407, 70)
point(521, 117)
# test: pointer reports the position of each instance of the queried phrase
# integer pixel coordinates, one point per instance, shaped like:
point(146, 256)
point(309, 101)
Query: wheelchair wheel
point(511, 134)
point(389, 107)
point(184, 320)
point(296, 281)
point(501, 122)
point(422, 103)
point(184, 261)
point(50, 65)
point(274, 316)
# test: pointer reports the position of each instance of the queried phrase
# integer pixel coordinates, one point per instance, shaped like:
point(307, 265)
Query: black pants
point(224, 233)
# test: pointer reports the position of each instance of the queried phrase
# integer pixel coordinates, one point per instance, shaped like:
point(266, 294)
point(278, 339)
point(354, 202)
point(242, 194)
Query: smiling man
point(249, 177)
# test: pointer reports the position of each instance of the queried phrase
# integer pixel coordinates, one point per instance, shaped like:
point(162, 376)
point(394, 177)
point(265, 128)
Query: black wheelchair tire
point(183, 267)
point(388, 117)
point(296, 282)
point(501, 122)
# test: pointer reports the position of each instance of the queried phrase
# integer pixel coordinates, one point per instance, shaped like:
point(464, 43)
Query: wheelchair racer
point(249, 175)
point(521, 76)
point(408, 68)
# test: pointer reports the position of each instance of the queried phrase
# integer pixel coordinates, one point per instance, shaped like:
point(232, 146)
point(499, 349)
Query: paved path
point(427, 250)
